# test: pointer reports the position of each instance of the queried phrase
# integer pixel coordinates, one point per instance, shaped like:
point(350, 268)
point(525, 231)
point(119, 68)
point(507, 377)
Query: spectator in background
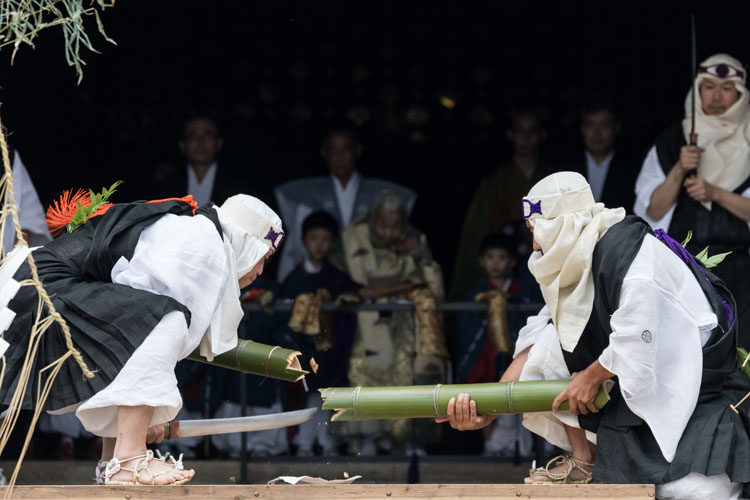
point(494, 203)
point(345, 194)
point(30, 210)
point(611, 175)
point(477, 356)
point(476, 352)
point(203, 177)
point(714, 205)
point(332, 346)
point(386, 254)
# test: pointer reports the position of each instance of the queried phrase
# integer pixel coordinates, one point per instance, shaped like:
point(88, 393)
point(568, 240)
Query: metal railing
point(402, 305)
point(286, 306)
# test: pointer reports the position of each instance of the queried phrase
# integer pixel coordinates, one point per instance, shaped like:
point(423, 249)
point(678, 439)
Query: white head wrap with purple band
point(567, 224)
point(250, 229)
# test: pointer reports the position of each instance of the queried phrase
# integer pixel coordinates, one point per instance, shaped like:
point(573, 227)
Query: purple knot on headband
point(534, 208)
point(272, 236)
point(722, 71)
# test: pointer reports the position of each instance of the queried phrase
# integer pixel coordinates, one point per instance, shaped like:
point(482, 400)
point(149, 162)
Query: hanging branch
point(22, 20)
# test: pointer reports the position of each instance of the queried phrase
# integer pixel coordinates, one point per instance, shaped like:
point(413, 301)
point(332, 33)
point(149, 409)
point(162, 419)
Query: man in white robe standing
point(623, 305)
point(704, 190)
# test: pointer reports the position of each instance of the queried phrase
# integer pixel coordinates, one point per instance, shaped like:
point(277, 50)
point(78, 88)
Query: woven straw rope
point(41, 324)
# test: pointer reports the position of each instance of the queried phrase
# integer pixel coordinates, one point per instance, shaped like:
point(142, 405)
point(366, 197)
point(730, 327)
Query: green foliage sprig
point(83, 212)
point(741, 360)
point(22, 20)
point(708, 262)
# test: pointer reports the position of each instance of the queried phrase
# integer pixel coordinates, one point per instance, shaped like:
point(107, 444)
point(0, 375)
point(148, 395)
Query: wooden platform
point(333, 492)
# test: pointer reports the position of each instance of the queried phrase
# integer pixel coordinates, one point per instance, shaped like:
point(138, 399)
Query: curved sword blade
point(208, 427)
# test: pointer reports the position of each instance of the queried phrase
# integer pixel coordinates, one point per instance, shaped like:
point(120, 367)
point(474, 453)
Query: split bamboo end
point(293, 366)
point(342, 416)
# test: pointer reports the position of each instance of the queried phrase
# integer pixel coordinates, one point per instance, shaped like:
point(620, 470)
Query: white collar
point(352, 185)
point(209, 177)
point(309, 267)
point(605, 162)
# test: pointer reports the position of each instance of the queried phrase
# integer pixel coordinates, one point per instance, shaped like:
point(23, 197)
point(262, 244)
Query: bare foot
point(558, 472)
point(161, 472)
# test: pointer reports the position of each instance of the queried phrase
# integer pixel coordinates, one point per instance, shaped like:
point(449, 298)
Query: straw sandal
point(564, 476)
point(142, 464)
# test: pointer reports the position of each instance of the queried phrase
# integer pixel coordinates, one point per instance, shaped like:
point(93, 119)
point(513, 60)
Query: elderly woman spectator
point(393, 260)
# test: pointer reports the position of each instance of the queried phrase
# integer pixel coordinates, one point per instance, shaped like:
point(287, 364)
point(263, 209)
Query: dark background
point(278, 73)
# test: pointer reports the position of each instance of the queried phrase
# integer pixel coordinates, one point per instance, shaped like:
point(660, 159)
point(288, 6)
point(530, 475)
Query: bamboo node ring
point(510, 397)
point(355, 399)
point(435, 395)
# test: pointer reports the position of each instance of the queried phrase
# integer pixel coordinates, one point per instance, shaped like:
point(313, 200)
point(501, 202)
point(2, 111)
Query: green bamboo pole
point(258, 359)
point(430, 401)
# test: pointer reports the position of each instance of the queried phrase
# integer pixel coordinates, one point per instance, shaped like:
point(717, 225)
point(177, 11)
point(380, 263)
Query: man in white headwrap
point(714, 204)
point(141, 286)
point(623, 305)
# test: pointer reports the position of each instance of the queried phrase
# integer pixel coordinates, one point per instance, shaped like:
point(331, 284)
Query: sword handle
point(693, 140)
point(172, 430)
point(160, 432)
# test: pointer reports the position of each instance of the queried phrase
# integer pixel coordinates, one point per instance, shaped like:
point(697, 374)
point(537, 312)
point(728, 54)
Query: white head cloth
point(567, 224)
point(250, 229)
point(725, 137)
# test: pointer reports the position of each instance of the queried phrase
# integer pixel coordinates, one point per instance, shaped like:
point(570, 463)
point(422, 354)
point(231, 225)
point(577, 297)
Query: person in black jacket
point(203, 176)
point(610, 173)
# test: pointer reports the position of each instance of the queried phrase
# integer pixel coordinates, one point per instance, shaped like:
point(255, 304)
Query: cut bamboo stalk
point(258, 359)
point(431, 401)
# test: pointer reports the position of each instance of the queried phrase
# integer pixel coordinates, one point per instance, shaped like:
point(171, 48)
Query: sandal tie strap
point(115, 465)
point(100, 471)
point(177, 464)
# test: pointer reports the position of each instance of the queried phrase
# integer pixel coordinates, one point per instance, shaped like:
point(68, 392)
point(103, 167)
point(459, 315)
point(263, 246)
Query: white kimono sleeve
point(650, 177)
point(531, 332)
point(658, 330)
point(182, 258)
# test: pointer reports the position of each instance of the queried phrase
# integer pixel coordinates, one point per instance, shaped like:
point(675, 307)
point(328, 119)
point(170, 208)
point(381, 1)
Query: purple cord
point(687, 257)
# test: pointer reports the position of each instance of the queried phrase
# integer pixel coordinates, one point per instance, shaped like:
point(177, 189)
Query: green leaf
point(715, 260)
point(100, 25)
point(97, 200)
point(741, 356)
point(687, 238)
point(702, 255)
